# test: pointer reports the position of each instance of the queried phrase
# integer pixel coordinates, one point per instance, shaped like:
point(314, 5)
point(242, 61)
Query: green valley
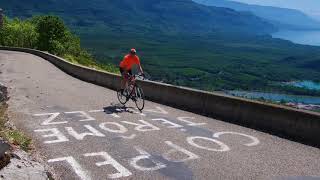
point(214, 62)
point(184, 43)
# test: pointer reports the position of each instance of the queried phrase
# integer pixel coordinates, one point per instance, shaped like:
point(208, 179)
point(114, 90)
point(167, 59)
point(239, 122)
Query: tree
point(52, 32)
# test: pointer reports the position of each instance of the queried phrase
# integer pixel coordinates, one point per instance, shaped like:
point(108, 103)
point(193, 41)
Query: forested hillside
point(146, 16)
point(184, 43)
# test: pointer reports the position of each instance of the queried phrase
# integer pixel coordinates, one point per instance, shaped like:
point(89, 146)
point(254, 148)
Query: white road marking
point(108, 112)
point(112, 114)
point(145, 155)
point(205, 143)
point(255, 141)
point(96, 111)
point(83, 115)
point(115, 115)
point(49, 120)
point(120, 127)
point(136, 111)
point(177, 149)
point(223, 147)
point(132, 136)
point(75, 166)
point(122, 171)
point(80, 136)
point(145, 126)
point(157, 110)
point(164, 121)
point(190, 123)
point(55, 133)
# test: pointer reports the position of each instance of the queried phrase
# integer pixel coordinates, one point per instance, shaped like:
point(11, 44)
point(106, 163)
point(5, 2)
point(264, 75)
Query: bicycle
point(132, 91)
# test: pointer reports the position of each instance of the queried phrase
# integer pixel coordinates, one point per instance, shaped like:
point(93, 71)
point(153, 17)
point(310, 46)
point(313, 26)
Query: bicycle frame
point(131, 79)
point(132, 91)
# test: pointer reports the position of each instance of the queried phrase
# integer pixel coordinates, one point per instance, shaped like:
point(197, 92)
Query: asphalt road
point(83, 133)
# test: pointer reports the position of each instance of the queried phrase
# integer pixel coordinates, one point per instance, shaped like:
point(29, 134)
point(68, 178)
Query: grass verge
point(12, 135)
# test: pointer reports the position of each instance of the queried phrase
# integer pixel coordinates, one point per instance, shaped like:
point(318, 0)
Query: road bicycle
point(132, 91)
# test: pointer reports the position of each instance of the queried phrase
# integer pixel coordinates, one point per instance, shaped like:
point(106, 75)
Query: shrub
point(19, 34)
point(48, 33)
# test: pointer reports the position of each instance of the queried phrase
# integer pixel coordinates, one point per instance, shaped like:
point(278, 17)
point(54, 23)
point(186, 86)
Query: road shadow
point(119, 108)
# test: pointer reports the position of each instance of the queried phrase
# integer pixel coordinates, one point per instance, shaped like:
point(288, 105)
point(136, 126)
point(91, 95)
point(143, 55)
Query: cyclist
point(126, 65)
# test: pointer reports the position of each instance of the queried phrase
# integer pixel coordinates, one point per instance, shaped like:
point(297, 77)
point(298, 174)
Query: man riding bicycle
point(126, 65)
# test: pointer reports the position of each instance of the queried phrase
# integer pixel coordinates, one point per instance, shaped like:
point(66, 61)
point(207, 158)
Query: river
point(299, 37)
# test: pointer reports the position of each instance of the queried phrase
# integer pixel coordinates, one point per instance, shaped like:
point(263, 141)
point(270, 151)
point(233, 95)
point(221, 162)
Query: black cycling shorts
point(122, 71)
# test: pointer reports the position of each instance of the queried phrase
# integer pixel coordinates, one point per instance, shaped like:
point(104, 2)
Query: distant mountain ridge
point(169, 16)
point(281, 17)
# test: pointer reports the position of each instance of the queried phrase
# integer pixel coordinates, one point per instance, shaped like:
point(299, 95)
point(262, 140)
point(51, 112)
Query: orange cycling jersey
point(128, 61)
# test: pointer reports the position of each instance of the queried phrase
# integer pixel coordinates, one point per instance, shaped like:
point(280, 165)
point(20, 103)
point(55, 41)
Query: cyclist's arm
point(139, 64)
point(140, 68)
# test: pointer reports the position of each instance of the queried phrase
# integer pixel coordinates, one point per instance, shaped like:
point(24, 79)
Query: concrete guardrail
point(294, 124)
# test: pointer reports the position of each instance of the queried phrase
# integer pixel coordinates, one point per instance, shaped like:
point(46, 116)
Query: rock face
point(15, 163)
point(4, 158)
point(21, 166)
point(3, 93)
point(3, 148)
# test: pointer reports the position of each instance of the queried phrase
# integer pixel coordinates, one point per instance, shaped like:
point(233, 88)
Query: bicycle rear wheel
point(122, 97)
point(139, 98)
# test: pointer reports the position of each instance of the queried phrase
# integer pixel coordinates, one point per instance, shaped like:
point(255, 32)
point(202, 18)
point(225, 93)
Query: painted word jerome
point(60, 131)
point(122, 171)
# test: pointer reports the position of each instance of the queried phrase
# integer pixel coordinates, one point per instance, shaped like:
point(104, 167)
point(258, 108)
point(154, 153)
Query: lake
point(305, 84)
point(276, 97)
point(299, 37)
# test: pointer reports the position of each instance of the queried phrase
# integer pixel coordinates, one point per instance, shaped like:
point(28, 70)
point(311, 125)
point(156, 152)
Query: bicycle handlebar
point(135, 76)
point(140, 75)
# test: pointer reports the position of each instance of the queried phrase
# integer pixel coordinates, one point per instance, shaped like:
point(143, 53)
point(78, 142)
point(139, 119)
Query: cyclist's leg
point(123, 80)
point(128, 73)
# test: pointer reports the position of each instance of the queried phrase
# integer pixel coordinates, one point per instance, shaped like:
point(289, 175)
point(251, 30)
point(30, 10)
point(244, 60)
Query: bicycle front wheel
point(122, 97)
point(139, 98)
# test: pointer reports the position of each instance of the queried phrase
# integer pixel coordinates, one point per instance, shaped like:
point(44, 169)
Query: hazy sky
point(311, 7)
